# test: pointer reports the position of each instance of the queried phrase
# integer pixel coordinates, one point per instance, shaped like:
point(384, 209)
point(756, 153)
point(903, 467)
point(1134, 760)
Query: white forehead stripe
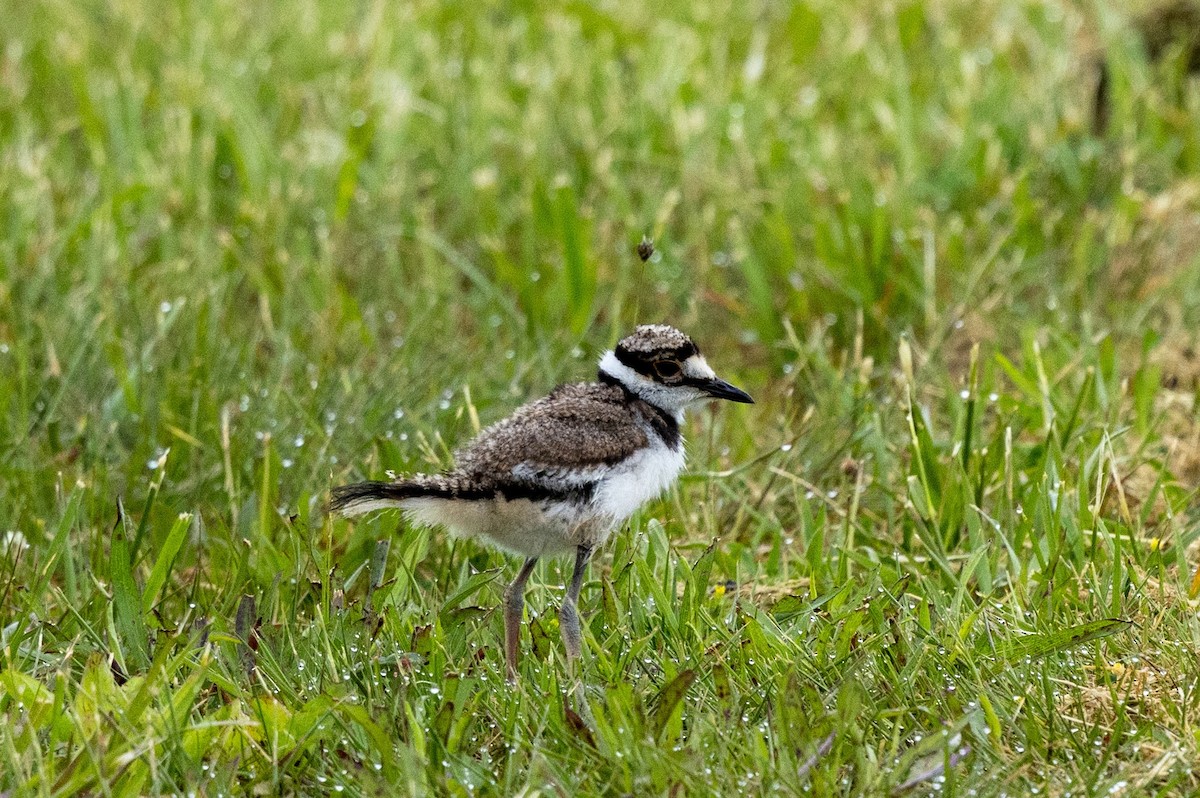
point(697, 366)
point(610, 365)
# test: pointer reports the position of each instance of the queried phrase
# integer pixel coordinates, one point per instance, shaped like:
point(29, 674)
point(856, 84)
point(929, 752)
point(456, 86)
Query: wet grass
point(251, 251)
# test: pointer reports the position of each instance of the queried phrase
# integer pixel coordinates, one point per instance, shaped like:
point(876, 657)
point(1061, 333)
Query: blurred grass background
point(253, 250)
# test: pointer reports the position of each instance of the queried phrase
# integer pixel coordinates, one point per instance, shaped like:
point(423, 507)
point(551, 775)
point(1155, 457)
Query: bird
point(562, 473)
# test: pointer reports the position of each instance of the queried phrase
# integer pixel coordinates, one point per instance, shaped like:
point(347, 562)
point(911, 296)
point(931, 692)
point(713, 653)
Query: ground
point(254, 250)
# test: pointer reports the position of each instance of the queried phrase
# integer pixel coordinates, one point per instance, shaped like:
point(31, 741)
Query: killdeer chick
point(561, 474)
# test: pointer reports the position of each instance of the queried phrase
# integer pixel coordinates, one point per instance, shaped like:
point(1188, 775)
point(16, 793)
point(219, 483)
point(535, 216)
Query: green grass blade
point(165, 560)
point(127, 603)
point(1037, 646)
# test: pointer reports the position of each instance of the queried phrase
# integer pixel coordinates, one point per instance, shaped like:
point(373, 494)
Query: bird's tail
point(365, 497)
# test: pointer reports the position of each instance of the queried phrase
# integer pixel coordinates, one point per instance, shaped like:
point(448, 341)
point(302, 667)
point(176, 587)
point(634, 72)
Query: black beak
point(719, 389)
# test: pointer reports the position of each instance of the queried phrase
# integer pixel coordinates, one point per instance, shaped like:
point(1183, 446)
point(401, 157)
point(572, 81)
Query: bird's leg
point(568, 614)
point(568, 625)
point(514, 605)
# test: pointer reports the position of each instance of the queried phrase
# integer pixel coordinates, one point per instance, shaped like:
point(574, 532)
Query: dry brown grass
point(1163, 243)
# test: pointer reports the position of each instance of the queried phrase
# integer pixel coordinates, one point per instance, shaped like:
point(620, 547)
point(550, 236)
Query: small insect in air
point(645, 249)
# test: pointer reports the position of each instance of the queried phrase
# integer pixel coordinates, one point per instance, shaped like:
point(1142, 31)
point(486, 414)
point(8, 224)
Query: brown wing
point(567, 440)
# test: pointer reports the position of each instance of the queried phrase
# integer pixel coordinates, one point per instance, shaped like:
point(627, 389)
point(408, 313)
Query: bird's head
point(661, 365)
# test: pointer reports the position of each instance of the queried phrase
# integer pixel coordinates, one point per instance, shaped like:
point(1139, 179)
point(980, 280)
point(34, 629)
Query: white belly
point(546, 528)
point(638, 480)
point(520, 526)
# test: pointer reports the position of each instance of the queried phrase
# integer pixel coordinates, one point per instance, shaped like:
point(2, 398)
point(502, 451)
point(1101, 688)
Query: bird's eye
point(667, 369)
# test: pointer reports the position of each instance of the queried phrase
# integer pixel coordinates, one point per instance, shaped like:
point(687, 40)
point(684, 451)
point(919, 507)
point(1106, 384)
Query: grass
point(254, 250)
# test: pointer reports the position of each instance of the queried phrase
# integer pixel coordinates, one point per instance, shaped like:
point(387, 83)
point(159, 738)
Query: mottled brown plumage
point(577, 428)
